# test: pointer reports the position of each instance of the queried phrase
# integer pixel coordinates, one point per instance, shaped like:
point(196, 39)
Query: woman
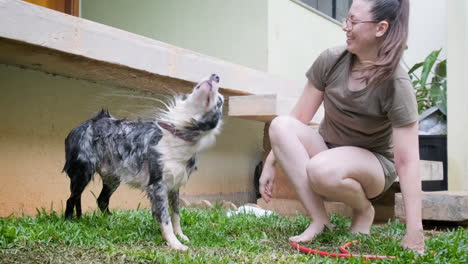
point(369, 102)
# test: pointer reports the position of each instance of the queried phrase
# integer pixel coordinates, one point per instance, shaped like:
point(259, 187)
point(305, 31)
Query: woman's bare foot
point(362, 220)
point(310, 233)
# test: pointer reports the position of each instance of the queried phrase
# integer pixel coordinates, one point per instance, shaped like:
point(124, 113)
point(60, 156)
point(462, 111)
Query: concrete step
point(439, 206)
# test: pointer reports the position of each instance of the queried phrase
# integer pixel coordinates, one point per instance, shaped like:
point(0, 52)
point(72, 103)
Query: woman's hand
point(266, 181)
point(414, 240)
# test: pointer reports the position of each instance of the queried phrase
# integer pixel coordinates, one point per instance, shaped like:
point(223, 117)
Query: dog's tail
point(78, 142)
point(74, 142)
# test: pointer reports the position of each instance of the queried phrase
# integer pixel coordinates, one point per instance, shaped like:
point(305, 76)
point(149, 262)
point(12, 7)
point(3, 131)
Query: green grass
point(133, 237)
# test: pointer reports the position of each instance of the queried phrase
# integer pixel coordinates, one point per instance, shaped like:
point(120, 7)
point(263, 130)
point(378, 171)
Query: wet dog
point(156, 156)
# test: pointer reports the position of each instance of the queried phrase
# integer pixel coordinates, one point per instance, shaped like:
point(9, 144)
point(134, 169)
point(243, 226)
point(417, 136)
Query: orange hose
point(345, 253)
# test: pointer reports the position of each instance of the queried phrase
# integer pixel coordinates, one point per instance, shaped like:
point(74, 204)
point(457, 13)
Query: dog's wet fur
point(157, 156)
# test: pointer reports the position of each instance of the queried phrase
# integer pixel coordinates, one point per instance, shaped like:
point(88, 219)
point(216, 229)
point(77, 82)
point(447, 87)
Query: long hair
point(396, 13)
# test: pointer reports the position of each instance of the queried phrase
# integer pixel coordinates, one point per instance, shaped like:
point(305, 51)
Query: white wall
point(427, 30)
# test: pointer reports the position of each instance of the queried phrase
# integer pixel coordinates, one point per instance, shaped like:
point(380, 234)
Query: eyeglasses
point(348, 23)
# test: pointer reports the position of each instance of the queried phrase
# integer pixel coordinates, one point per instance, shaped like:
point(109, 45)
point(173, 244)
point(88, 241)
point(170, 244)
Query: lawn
point(133, 237)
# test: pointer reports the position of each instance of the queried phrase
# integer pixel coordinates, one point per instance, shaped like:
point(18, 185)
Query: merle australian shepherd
point(157, 156)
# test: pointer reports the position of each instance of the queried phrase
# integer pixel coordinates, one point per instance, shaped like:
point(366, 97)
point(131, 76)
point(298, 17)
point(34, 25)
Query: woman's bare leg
point(350, 175)
point(293, 144)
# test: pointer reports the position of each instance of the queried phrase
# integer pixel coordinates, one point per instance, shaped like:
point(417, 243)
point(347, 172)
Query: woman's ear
point(382, 28)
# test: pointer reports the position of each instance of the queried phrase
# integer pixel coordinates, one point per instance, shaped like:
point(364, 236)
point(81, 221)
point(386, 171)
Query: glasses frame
point(349, 23)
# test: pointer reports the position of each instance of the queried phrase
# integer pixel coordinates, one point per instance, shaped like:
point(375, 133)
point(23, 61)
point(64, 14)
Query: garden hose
point(344, 252)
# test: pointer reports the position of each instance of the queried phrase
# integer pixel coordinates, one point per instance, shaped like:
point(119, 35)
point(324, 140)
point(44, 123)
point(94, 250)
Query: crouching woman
point(369, 133)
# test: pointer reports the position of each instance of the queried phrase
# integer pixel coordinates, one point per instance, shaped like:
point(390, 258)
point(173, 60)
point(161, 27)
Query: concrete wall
point(233, 30)
point(457, 58)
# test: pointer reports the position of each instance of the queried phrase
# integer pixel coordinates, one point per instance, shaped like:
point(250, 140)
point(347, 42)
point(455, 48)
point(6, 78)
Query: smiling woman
point(369, 132)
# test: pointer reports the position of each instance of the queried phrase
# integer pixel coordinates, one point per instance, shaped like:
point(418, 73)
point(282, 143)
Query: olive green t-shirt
point(361, 118)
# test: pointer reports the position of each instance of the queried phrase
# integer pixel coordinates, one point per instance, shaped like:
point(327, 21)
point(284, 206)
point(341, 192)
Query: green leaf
point(433, 93)
point(441, 69)
point(428, 64)
point(415, 67)
point(441, 101)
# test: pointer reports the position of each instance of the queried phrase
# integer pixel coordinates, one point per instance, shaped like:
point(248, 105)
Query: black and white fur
point(156, 156)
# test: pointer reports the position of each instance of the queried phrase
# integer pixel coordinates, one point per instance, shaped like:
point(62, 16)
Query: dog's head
point(206, 104)
point(205, 96)
point(197, 114)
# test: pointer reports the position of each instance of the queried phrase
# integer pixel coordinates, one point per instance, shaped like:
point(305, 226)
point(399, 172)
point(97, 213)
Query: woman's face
point(361, 31)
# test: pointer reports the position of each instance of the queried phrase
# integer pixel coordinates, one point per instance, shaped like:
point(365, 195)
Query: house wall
point(233, 30)
point(296, 37)
point(457, 120)
point(427, 30)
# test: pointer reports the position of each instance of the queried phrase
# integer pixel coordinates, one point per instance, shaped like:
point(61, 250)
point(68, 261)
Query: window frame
point(333, 17)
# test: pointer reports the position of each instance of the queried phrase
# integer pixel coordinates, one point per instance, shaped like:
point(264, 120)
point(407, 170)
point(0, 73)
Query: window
point(70, 7)
point(337, 9)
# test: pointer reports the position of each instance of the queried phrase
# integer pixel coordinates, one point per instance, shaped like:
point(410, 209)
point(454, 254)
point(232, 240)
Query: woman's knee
point(323, 175)
point(279, 127)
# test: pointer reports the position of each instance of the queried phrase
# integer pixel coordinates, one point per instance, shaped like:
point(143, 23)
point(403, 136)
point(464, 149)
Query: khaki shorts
point(388, 167)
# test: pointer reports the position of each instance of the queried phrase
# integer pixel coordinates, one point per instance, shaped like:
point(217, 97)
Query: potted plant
point(430, 84)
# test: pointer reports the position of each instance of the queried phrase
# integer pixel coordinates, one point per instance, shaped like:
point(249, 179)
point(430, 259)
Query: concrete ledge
point(265, 107)
point(440, 206)
point(46, 40)
point(430, 170)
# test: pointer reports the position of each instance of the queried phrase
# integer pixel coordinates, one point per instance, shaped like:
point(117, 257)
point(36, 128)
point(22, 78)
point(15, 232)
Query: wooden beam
point(259, 107)
point(35, 37)
point(265, 107)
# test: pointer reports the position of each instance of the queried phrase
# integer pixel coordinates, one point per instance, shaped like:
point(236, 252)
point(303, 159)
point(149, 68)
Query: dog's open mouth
point(207, 102)
point(210, 89)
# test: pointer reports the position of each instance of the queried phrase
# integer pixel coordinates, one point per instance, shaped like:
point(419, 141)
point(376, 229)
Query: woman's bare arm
point(406, 149)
